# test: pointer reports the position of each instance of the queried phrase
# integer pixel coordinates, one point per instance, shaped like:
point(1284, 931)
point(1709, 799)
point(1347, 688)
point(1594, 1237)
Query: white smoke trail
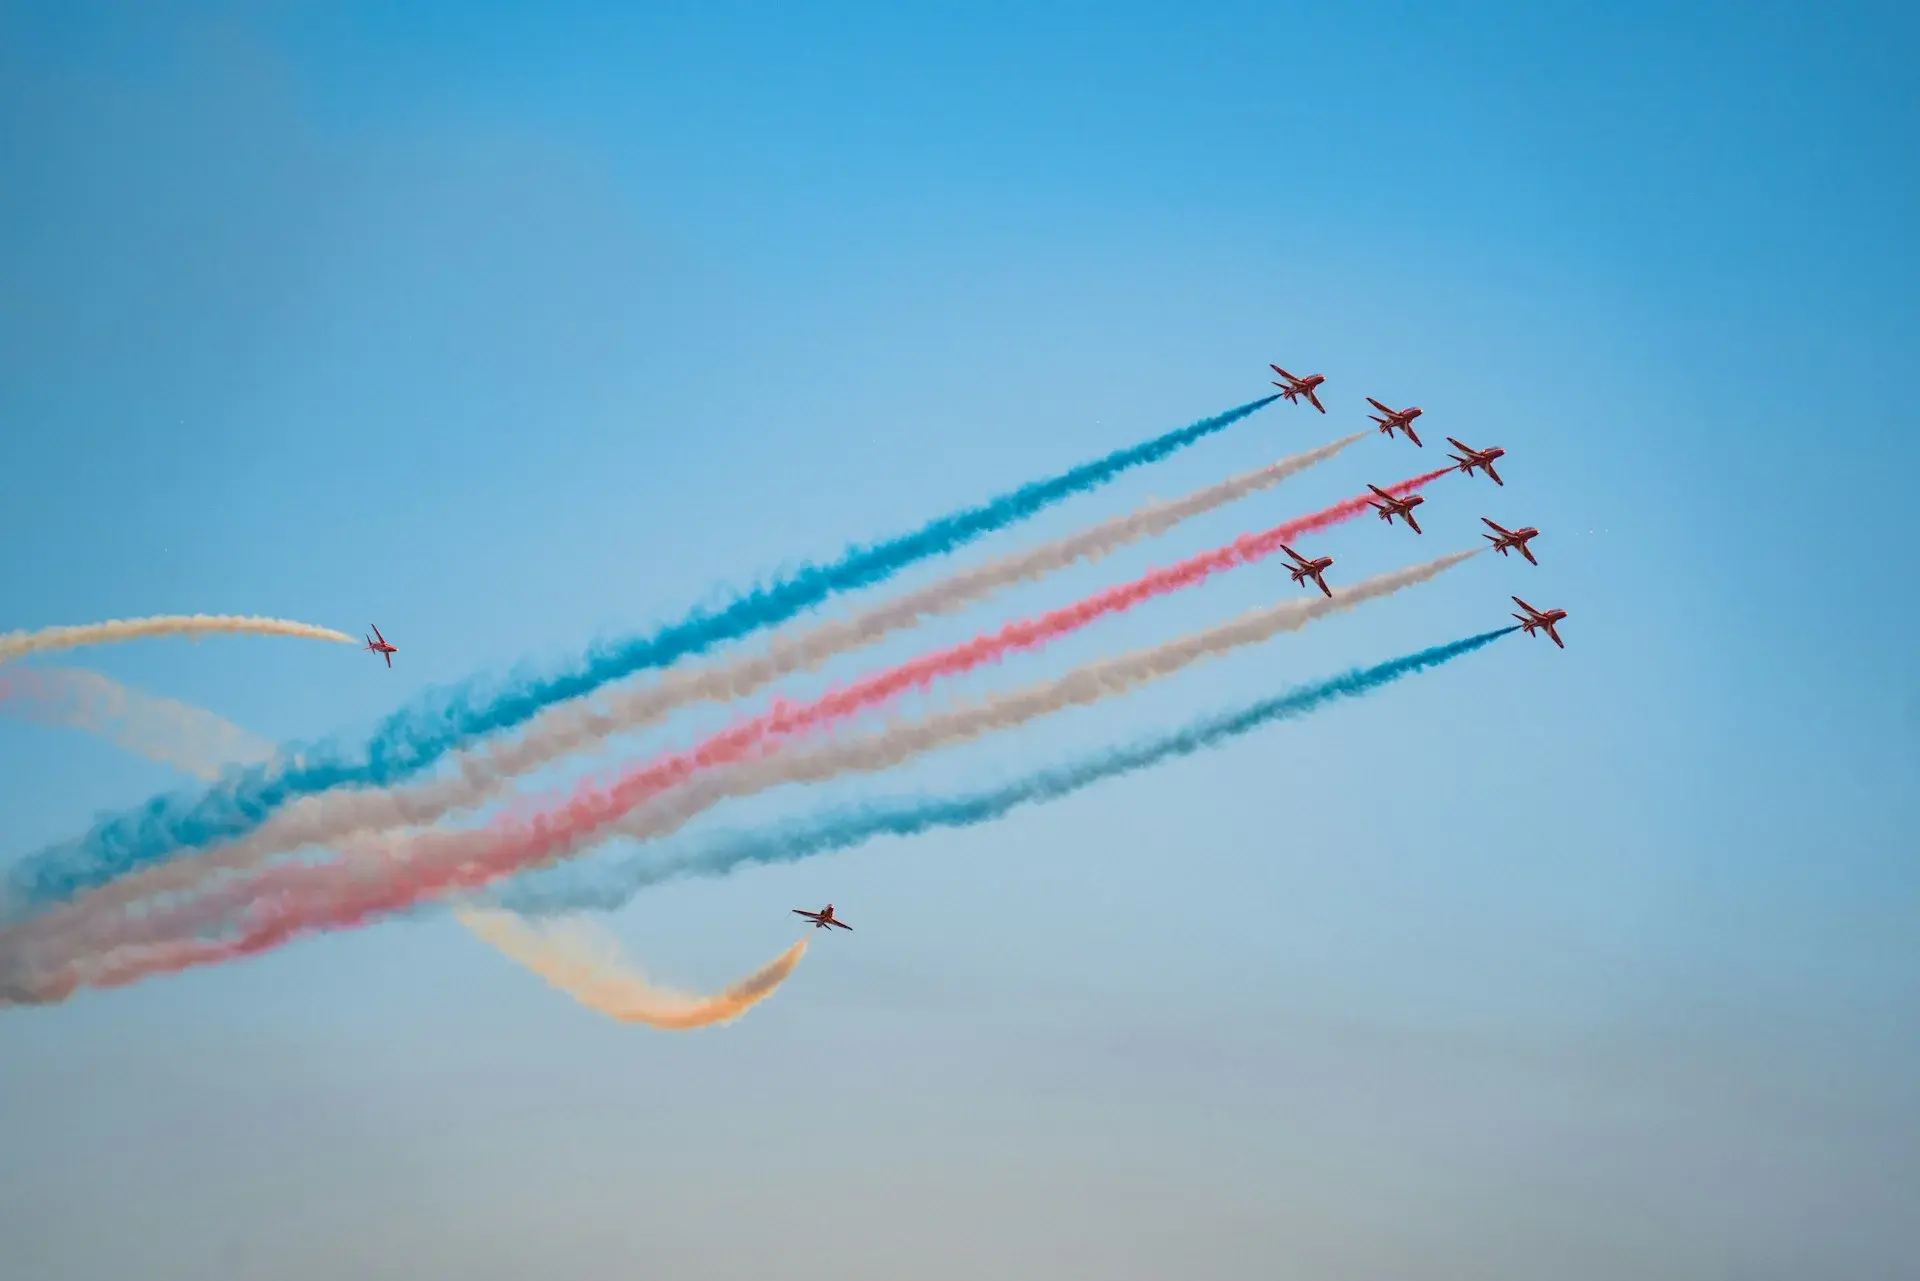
point(330, 818)
point(98, 943)
point(19, 644)
point(188, 738)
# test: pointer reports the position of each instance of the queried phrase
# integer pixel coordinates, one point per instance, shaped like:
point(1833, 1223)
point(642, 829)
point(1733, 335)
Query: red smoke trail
point(289, 898)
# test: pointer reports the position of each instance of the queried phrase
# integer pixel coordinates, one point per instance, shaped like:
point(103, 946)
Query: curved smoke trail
point(416, 737)
point(293, 899)
point(572, 888)
point(574, 957)
point(485, 771)
point(19, 644)
point(585, 963)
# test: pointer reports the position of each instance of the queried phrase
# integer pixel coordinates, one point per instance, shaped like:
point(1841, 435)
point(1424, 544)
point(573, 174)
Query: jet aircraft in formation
point(1302, 569)
point(1536, 620)
point(1481, 458)
point(1468, 460)
point(1294, 388)
point(1401, 418)
point(1389, 507)
point(1514, 538)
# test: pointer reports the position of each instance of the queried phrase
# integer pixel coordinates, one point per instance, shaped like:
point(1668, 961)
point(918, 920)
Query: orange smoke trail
point(584, 962)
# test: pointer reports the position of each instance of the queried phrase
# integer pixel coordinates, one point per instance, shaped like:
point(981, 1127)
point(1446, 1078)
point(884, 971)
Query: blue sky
point(510, 327)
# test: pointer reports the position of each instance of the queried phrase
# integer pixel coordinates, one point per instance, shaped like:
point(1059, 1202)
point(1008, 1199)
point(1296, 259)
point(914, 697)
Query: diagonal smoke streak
point(417, 736)
point(612, 886)
point(290, 900)
point(334, 817)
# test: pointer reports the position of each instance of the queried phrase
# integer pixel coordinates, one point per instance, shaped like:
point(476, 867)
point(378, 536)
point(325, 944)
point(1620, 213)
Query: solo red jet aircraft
point(1294, 388)
point(1401, 418)
point(380, 646)
point(1401, 507)
point(1533, 619)
point(1514, 538)
point(1481, 458)
point(823, 918)
point(1302, 569)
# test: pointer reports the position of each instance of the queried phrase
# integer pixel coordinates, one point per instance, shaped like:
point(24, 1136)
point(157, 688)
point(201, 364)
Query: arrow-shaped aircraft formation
point(1388, 506)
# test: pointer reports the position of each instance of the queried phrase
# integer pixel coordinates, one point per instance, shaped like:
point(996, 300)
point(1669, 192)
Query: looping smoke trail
point(290, 900)
point(161, 729)
point(415, 737)
point(484, 772)
point(19, 644)
point(572, 888)
point(576, 958)
point(584, 962)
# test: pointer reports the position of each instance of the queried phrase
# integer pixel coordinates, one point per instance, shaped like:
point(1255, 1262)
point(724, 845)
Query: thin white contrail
point(327, 819)
point(392, 872)
point(19, 644)
point(573, 955)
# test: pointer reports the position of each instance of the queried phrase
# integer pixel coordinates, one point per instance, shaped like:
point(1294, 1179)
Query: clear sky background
point(512, 327)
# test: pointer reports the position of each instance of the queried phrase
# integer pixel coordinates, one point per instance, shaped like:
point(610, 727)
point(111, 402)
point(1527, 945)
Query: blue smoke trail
point(574, 888)
point(415, 737)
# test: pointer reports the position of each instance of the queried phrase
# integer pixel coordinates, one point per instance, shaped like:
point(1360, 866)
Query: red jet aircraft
point(1401, 418)
point(1514, 538)
point(1533, 619)
point(380, 646)
point(823, 918)
point(1302, 569)
point(1294, 388)
point(1401, 507)
point(1481, 458)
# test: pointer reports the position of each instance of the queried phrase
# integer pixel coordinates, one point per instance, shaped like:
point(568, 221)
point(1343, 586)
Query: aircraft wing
point(1412, 435)
point(1524, 551)
point(1489, 524)
point(389, 658)
point(1383, 493)
point(376, 632)
point(843, 925)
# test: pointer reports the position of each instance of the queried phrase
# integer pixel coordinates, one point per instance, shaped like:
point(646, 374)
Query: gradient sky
point(510, 327)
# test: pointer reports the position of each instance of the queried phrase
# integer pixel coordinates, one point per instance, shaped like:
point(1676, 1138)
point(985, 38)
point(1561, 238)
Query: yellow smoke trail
point(583, 961)
point(19, 644)
point(574, 956)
